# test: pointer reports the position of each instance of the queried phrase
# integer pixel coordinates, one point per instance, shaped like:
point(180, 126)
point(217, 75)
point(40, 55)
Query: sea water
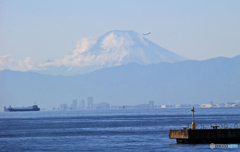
point(108, 130)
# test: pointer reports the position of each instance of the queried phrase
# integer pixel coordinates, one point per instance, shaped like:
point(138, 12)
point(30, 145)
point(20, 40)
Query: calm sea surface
point(107, 130)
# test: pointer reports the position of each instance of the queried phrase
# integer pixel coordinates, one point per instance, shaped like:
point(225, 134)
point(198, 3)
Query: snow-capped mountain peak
point(112, 49)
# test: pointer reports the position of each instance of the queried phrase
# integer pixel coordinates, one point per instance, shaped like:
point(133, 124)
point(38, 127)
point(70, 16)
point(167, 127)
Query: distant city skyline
point(150, 105)
point(33, 32)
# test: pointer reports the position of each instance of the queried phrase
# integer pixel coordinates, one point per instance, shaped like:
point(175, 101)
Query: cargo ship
point(16, 109)
point(205, 136)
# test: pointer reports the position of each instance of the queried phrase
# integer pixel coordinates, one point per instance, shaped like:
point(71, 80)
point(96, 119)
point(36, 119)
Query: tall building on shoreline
point(74, 104)
point(151, 104)
point(82, 104)
point(90, 102)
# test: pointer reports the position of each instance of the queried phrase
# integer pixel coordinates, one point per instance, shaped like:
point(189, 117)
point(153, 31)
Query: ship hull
point(21, 110)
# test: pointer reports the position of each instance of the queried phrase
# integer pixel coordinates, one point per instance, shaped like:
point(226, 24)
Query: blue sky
point(45, 29)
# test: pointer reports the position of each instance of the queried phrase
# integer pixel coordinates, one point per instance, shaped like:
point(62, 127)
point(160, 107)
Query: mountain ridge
point(183, 82)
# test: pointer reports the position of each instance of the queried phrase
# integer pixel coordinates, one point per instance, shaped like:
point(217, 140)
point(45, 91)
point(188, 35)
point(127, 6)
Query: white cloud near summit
point(7, 62)
point(76, 58)
point(112, 49)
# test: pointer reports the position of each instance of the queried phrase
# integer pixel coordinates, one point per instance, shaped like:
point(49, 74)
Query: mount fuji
point(112, 49)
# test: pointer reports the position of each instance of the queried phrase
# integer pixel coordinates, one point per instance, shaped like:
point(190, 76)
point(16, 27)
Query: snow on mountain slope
point(112, 49)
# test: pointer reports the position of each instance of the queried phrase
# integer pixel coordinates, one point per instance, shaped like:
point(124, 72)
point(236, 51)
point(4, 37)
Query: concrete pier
point(206, 136)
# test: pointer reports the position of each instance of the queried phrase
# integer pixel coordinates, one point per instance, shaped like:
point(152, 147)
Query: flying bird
point(146, 33)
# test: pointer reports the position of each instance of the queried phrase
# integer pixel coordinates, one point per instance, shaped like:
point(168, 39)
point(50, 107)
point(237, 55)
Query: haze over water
point(106, 130)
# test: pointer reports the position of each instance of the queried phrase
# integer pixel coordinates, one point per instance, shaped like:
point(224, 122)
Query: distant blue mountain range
point(190, 81)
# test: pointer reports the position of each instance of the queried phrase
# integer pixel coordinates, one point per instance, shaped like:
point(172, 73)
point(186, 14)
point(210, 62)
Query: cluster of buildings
point(208, 105)
point(80, 105)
